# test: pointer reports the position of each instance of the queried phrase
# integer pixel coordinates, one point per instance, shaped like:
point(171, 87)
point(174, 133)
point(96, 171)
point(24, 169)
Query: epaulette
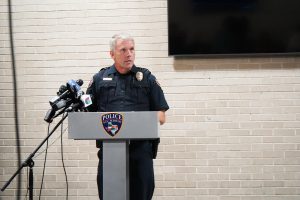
point(104, 68)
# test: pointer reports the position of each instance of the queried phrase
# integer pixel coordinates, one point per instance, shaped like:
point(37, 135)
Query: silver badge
point(139, 76)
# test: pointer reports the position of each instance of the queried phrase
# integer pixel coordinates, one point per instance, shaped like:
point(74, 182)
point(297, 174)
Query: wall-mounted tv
point(233, 27)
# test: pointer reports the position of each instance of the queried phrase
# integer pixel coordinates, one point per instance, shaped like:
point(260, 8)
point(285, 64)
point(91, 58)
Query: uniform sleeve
point(91, 90)
point(157, 98)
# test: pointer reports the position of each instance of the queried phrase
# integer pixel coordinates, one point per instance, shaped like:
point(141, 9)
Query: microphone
point(79, 82)
point(61, 90)
point(71, 90)
point(86, 100)
point(49, 115)
point(82, 104)
point(61, 104)
point(69, 98)
point(74, 86)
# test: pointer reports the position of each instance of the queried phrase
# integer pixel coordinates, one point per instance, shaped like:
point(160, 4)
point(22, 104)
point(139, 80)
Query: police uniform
point(137, 90)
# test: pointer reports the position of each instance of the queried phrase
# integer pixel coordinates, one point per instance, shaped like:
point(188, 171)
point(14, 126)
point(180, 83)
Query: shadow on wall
point(231, 62)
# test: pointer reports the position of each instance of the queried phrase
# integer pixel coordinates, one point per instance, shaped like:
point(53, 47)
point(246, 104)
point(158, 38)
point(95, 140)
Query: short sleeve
point(157, 98)
point(91, 90)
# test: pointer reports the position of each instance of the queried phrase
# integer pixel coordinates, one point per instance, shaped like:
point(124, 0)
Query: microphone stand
point(30, 163)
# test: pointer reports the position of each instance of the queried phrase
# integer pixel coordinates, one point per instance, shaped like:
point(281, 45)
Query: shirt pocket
point(107, 91)
point(142, 91)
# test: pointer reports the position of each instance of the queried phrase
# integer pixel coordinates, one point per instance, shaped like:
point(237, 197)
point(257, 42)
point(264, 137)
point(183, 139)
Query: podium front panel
point(113, 125)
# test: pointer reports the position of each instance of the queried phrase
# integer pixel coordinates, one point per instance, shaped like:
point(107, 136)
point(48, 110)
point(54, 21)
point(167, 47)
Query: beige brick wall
point(232, 131)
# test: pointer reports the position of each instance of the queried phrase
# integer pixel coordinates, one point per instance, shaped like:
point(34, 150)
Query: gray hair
point(116, 37)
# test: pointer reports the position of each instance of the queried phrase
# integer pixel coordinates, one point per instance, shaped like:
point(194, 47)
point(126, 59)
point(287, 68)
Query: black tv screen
point(218, 27)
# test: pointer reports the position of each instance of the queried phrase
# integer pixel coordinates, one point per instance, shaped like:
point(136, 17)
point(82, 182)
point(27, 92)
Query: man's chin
point(128, 65)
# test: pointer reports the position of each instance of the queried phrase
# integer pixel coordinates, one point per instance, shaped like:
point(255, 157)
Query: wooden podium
point(115, 130)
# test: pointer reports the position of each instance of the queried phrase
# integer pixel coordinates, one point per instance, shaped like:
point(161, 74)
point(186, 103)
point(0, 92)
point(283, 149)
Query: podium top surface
point(113, 125)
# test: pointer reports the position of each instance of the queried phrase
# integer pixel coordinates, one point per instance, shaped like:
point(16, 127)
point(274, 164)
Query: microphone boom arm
point(29, 162)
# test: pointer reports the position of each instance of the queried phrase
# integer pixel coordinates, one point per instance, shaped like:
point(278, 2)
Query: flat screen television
point(233, 27)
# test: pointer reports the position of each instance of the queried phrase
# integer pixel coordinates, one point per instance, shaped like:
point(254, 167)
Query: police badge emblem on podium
point(112, 123)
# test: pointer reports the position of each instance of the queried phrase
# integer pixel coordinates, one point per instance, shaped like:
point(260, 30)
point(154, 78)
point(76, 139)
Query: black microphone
point(74, 86)
point(75, 107)
point(61, 90)
point(71, 90)
point(61, 104)
point(49, 115)
point(69, 96)
point(79, 82)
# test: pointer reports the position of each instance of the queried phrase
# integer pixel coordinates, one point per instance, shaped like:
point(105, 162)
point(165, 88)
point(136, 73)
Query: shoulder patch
point(91, 82)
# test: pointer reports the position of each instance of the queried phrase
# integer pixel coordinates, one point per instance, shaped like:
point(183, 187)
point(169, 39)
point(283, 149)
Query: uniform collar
point(134, 69)
point(113, 70)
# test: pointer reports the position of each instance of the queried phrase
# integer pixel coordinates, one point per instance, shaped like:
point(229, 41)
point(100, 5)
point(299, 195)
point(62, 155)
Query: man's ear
point(112, 55)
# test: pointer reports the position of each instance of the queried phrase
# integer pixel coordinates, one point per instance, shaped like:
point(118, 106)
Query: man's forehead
point(123, 42)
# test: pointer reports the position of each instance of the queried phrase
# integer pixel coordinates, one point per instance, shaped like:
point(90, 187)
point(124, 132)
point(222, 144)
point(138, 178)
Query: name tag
point(107, 78)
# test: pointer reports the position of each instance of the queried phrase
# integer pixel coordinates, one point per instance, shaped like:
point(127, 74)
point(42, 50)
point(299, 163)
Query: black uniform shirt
point(112, 91)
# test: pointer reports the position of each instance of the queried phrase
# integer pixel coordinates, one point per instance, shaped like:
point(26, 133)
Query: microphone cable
point(45, 159)
point(19, 178)
point(50, 145)
point(40, 153)
point(62, 160)
point(44, 167)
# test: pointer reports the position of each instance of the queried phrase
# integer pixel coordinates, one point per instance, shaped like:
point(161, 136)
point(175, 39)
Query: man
point(125, 87)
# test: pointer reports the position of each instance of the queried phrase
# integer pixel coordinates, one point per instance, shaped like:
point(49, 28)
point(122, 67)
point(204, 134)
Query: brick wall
point(232, 131)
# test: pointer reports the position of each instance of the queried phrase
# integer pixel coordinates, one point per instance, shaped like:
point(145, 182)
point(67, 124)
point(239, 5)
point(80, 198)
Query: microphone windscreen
point(79, 82)
point(62, 89)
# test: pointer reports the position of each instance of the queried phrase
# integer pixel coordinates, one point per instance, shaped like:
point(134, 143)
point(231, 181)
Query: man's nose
point(128, 53)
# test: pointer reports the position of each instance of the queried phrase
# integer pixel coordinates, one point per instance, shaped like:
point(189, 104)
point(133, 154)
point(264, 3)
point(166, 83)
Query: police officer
point(126, 87)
